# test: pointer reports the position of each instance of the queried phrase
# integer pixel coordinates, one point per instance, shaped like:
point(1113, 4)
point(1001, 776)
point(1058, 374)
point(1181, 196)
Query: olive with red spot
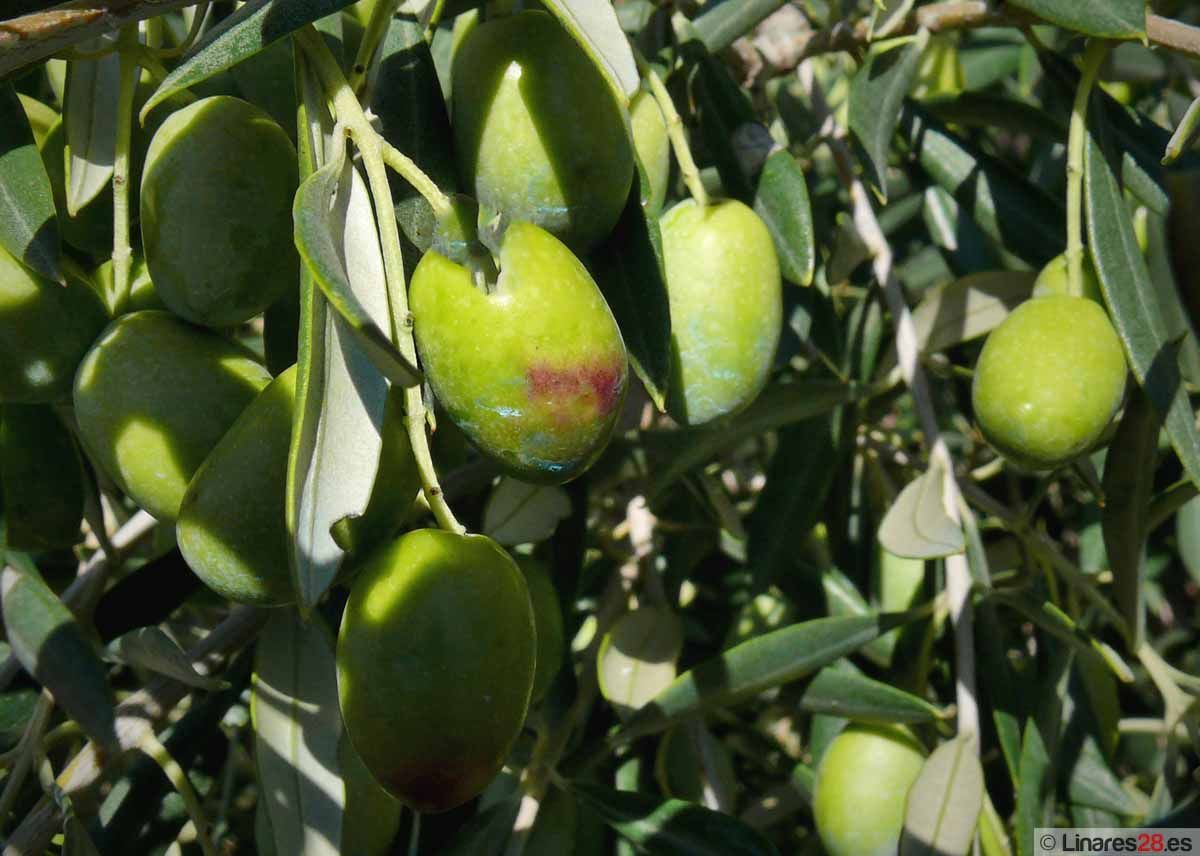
point(532, 368)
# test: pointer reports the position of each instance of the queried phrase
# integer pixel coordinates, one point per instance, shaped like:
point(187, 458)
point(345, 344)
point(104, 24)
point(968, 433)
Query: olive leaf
point(670, 827)
point(759, 664)
point(944, 802)
point(594, 24)
point(876, 99)
point(989, 110)
point(722, 24)
point(338, 240)
point(1034, 798)
point(1111, 19)
point(636, 658)
point(630, 271)
point(521, 513)
point(40, 479)
point(298, 729)
point(250, 29)
point(917, 525)
point(1128, 483)
point(846, 693)
point(782, 202)
point(90, 121)
point(151, 648)
point(28, 228)
point(1130, 296)
point(50, 646)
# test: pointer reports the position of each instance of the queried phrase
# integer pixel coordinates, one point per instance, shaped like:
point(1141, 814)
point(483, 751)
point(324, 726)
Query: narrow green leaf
point(944, 802)
point(671, 827)
point(338, 240)
point(1034, 788)
point(244, 33)
point(1000, 687)
point(1185, 134)
point(630, 272)
point(722, 24)
point(594, 24)
point(1128, 484)
point(50, 645)
point(636, 658)
point(917, 525)
point(762, 663)
point(798, 481)
point(887, 16)
point(40, 479)
point(90, 122)
point(1056, 622)
point(876, 98)
point(723, 109)
point(782, 202)
point(28, 228)
point(487, 831)
point(1093, 783)
point(16, 707)
point(521, 513)
point(1111, 19)
point(298, 728)
point(1016, 214)
point(840, 692)
point(989, 110)
point(151, 648)
point(1187, 535)
point(965, 309)
point(678, 452)
point(1130, 297)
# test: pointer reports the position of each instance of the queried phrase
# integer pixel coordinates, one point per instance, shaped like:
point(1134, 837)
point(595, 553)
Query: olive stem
point(377, 27)
point(25, 750)
point(371, 147)
point(407, 169)
point(122, 253)
point(675, 130)
point(198, 16)
point(1096, 51)
point(152, 747)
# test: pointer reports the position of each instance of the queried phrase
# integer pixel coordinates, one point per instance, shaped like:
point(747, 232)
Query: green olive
point(861, 790)
point(216, 209)
point(1054, 279)
point(1049, 380)
point(726, 299)
point(540, 137)
point(45, 329)
point(436, 664)
point(153, 396)
point(652, 145)
point(231, 527)
point(535, 372)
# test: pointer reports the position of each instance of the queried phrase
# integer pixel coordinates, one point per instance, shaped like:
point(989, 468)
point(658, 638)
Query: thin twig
point(1077, 136)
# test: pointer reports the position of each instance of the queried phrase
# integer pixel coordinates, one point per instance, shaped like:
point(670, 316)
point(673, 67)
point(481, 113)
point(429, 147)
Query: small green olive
point(216, 209)
point(1049, 380)
point(861, 789)
point(652, 145)
point(725, 291)
point(435, 665)
point(547, 618)
point(153, 396)
point(1054, 279)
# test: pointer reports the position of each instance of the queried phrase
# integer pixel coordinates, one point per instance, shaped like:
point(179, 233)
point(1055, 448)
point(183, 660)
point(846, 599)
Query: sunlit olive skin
point(1049, 380)
point(1054, 278)
point(232, 528)
point(535, 372)
point(547, 619)
point(652, 145)
point(726, 299)
point(435, 665)
point(539, 135)
point(142, 294)
point(216, 209)
point(861, 788)
point(45, 329)
point(153, 397)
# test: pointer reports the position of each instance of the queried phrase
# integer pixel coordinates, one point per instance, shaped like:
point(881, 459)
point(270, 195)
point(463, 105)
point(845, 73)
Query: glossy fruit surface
point(861, 787)
point(724, 286)
point(1054, 279)
point(652, 145)
point(153, 396)
point(1049, 380)
point(435, 665)
point(232, 527)
point(547, 619)
point(45, 329)
point(216, 208)
point(534, 372)
point(539, 135)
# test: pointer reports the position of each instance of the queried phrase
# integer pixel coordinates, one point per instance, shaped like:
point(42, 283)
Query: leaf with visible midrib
point(90, 122)
point(1112, 19)
point(944, 802)
point(28, 228)
point(1130, 296)
point(840, 692)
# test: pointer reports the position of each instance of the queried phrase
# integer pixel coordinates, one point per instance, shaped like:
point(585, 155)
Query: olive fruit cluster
point(1051, 376)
